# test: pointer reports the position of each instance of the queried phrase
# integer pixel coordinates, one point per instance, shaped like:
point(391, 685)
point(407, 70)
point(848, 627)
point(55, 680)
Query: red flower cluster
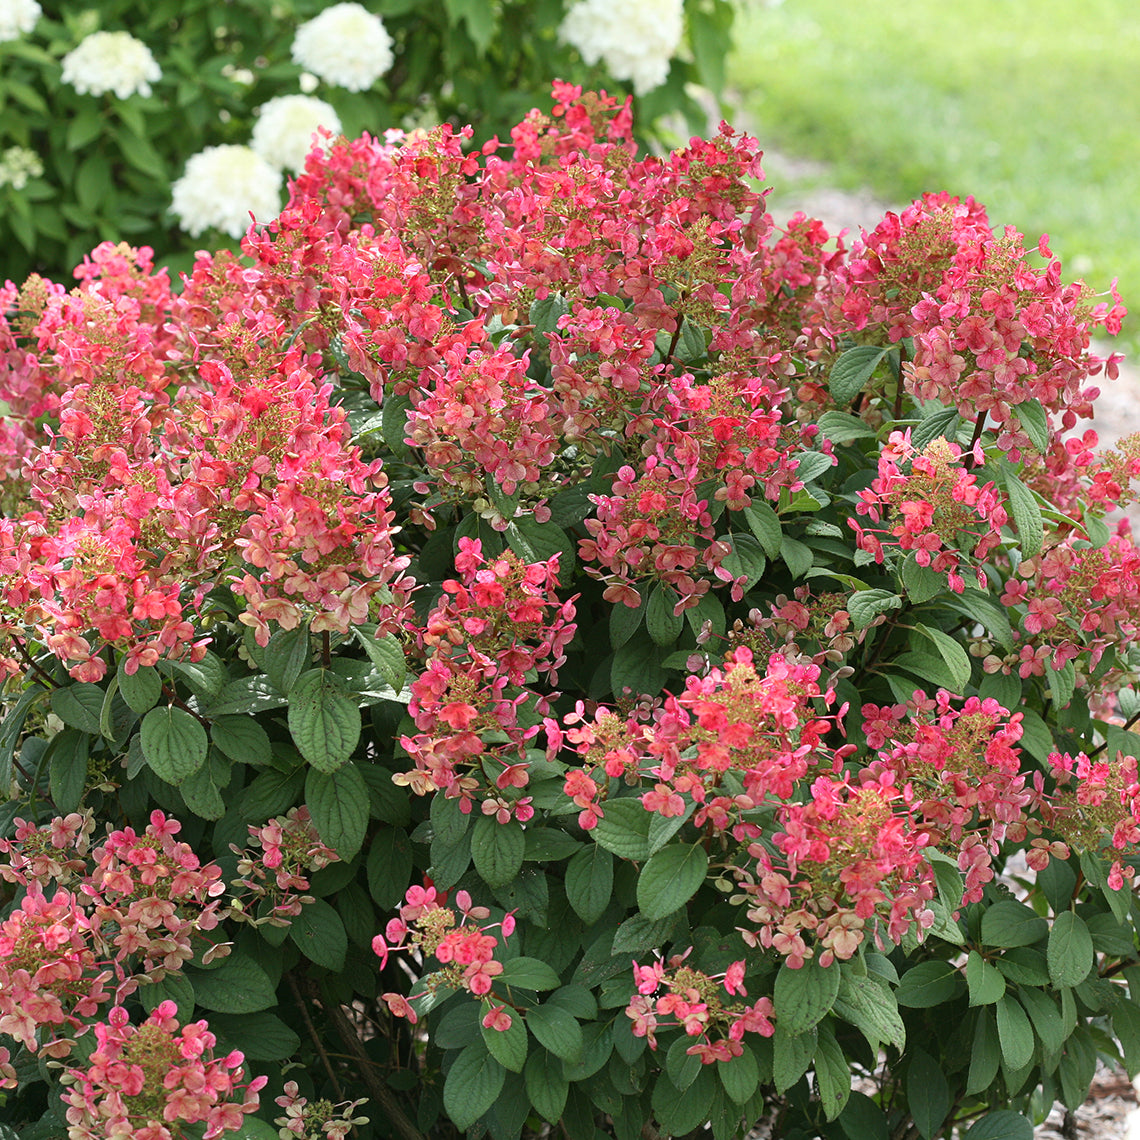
point(465, 948)
point(938, 509)
point(696, 1002)
point(146, 1081)
point(491, 631)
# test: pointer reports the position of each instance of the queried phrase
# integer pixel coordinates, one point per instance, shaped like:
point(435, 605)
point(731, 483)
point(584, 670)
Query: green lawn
point(1032, 106)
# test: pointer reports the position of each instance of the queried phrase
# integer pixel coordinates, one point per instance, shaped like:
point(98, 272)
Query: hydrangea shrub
point(534, 643)
point(169, 123)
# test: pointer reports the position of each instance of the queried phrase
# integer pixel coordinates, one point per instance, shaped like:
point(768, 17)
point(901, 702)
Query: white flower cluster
point(634, 39)
point(283, 133)
point(17, 18)
point(17, 165)
point(346, 45)
point(222, 186)
point(111, 61)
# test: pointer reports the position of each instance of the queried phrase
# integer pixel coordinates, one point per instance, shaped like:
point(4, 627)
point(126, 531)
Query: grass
point(1031, 106)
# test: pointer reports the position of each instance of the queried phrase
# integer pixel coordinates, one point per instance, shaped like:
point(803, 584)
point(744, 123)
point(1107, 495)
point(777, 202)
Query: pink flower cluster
point(291, 851)
point(465, 948)
point(960, 769)
point(1096, 807)
point(147, 1081)
point(735, 739)
point(140, 503)
point(1072, 601)
point(697, 1002)
point(937, 507)
point(493, 630)
point(303, 1117)
point(136, 903)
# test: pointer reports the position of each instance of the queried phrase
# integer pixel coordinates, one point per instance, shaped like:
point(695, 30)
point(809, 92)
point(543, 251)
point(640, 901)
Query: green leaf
point(929, 984)
point(624, 622)
point(791, 1057)
point(1070, 950)
point(473, 1083)
point(481, 20)
point(985, 982)
point(238, 985)
point(319, 934)
point(663, 625)
point(863, 1119)
point(79, 706)
point(852, 371)
point(1034, 421)
point(537, 542)
point(956, 659)
point(242, 739)
point(670, 878)
point(387, 654)
point(872, 1009)
point(765, 525)
point(927, 1093)
point(987, 612)
point(388, 866)
point(637, 666)
point(244, 696)
point(797, 556)
point(832, 1073)
point(508, 1046)
point(638, 933)
point(545, 1085)
point(985, 1057)
point(920, 582)
point(174, 743)
point(175, 987)
point(681, 1111)
point(866, 605)
point(338, 805)
point(1015, 1034)
point(803, 997)
point(1025, 512)
point(68, 771)
point(284, 659)
point(201, 793)
point(260, 1036)
point(1126, 1028)
point(841, 427)
point(140, 689)
point(555, 1029)
point(1046, 1018)
point(324, 719)
point(1062, 683)
point(927, 667)
point(745, 560)
point(205, 678)
point(624, 829)
point(529, 974)
point(546, 312)
point(1002, 1124)
point(943, 422)
point(1008, 923)
point(589, 882)
point(681, 1065)
point(497, 850)
point(740, 1076)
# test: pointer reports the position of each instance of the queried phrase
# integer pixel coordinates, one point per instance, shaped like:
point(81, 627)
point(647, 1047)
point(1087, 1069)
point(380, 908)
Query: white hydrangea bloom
point(346, 45)
point(111, 61)
point(222, 186)
point(17, 165)
point(283, 133)
point(634, 39)
point(18, 18)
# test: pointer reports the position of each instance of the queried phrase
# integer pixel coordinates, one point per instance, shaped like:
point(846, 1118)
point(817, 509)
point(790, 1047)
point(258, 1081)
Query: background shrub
point(78, 168)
